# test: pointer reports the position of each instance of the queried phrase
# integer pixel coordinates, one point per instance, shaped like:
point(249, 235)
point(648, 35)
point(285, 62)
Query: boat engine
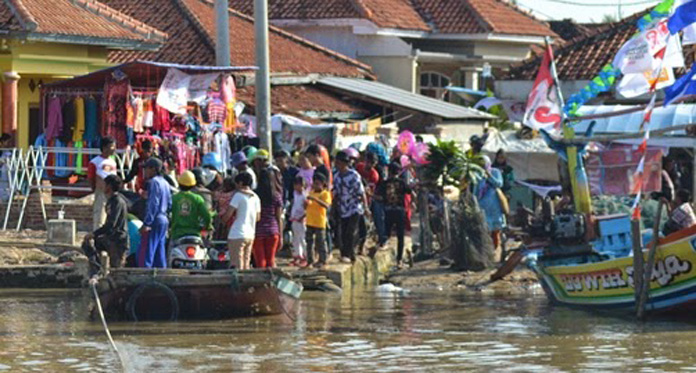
point(568, 228)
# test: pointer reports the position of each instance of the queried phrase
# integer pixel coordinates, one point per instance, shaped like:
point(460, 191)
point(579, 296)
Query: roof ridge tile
point(197, 22)
point(25, 18)
point(120, 18)
point(481, 18)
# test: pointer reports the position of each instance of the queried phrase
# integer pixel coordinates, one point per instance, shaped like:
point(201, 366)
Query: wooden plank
point(637, 259)
point(645, 288)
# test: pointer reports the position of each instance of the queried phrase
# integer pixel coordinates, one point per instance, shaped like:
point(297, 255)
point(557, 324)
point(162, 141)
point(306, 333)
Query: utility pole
point(222, 30)
point(620, 15)
point(263, 84)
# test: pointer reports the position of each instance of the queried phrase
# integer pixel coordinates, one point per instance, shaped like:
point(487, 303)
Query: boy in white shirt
point(245, 207)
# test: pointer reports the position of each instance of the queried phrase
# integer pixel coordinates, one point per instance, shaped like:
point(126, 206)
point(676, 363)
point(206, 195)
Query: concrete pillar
point(9, 104)
point(222, 32)
point(471, 78)
point(263, 75)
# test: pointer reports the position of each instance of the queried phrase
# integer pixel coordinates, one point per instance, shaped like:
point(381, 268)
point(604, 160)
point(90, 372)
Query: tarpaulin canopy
point(531, 159)
point(662, 117)
point(142, 74)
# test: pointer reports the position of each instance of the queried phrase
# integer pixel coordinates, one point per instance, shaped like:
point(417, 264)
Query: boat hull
point(139, 294)
point(608, 284)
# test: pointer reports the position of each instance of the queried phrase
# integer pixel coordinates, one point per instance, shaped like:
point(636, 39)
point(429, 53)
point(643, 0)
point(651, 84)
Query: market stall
point(186, 111)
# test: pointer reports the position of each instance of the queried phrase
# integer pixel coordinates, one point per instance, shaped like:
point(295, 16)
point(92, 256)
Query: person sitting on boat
point(112, 236)
point(190, 213)
point(681, 214)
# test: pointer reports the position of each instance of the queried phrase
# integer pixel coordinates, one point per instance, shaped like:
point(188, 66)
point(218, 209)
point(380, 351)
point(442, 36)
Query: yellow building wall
point(46, 62)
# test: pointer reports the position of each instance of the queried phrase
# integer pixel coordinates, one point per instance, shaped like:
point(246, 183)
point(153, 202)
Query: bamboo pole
point(645, 290)
point(637, 259)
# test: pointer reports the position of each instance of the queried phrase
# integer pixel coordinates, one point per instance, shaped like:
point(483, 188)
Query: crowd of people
point(324, 202)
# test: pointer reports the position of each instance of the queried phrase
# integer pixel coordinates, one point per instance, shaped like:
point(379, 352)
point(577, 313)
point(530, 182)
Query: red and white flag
point(544, 107)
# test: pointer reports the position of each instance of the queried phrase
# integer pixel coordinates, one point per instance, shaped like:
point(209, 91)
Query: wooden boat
point(604, 279)
point(170, 294)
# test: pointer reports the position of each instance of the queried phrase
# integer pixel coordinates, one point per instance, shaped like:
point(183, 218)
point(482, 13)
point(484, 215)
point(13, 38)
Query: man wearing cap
point(240, 164)
point(99, 168)
point(156, 223)
point(189, 211)
point(349, 194)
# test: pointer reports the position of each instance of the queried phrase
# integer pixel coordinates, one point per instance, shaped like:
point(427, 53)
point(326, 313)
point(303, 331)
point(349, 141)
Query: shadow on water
point(363, 330)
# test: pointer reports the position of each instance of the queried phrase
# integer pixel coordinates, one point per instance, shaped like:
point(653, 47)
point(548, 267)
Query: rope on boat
point(93, 285)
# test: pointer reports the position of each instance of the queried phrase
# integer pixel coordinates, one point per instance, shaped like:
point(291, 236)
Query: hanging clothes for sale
point(79, 131)
point(149, 115)
point(162, 120)
point(217, 111)
point(69, 120)
point(54, 120)
point(222, 147)
point(139, 111)
point(61, 160)
point(229, 92)
point(91, 134)
point(116, 95)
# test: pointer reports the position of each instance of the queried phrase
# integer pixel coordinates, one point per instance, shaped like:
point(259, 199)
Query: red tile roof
point(438, 16)
point(479, 16)
point(568, 29)
point(582, 58)
point(88, 20)
point(299, 99)
point(191, 26)
point(398, 14)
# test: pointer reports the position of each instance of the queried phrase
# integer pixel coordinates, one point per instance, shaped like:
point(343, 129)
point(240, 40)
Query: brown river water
point(48, 331)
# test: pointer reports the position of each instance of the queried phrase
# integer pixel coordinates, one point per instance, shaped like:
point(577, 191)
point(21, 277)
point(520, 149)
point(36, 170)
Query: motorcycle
point(188, 252)
point(219, 256)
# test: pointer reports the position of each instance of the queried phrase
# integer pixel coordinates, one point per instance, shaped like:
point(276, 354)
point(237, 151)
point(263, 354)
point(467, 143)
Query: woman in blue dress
point(490, 202)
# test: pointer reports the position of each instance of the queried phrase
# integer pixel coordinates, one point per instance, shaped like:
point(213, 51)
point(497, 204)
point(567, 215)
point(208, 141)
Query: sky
point(590, 11)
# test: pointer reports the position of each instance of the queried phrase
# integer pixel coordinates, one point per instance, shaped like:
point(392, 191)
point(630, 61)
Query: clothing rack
point(75, 93)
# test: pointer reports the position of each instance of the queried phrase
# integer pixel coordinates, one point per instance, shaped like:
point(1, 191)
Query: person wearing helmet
point(212, 161)
point(353, 155)
point(190, 214)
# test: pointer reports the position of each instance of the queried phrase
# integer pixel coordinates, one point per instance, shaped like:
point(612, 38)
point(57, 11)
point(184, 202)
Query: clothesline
point(75, 93)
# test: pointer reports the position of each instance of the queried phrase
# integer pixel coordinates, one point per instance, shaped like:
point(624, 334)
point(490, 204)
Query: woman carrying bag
point(492, 201)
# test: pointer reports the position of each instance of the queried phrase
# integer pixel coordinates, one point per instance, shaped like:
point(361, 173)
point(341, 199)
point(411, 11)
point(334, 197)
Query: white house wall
point(519, 89)
point(400, 72)
point(342, 39)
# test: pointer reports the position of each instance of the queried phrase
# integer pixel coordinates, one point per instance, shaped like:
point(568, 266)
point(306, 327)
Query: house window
point(433, 85)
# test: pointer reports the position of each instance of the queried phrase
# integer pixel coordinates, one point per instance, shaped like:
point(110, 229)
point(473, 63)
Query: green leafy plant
point(450, 166)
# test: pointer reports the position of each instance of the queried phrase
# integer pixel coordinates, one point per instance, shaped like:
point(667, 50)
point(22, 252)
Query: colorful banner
point(611, 171)
point(321, 134)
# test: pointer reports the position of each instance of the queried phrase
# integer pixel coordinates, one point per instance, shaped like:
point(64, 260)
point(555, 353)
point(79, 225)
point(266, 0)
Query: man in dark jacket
point(112, 237)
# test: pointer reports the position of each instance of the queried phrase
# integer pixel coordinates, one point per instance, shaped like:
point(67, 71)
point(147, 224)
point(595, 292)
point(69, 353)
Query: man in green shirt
point(190, 215)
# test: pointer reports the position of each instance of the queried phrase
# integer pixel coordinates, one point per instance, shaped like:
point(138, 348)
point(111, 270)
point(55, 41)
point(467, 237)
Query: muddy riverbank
point(437, 275)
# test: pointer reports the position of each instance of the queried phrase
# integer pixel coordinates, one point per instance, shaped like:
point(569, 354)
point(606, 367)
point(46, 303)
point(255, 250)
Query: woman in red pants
point(268, 238)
